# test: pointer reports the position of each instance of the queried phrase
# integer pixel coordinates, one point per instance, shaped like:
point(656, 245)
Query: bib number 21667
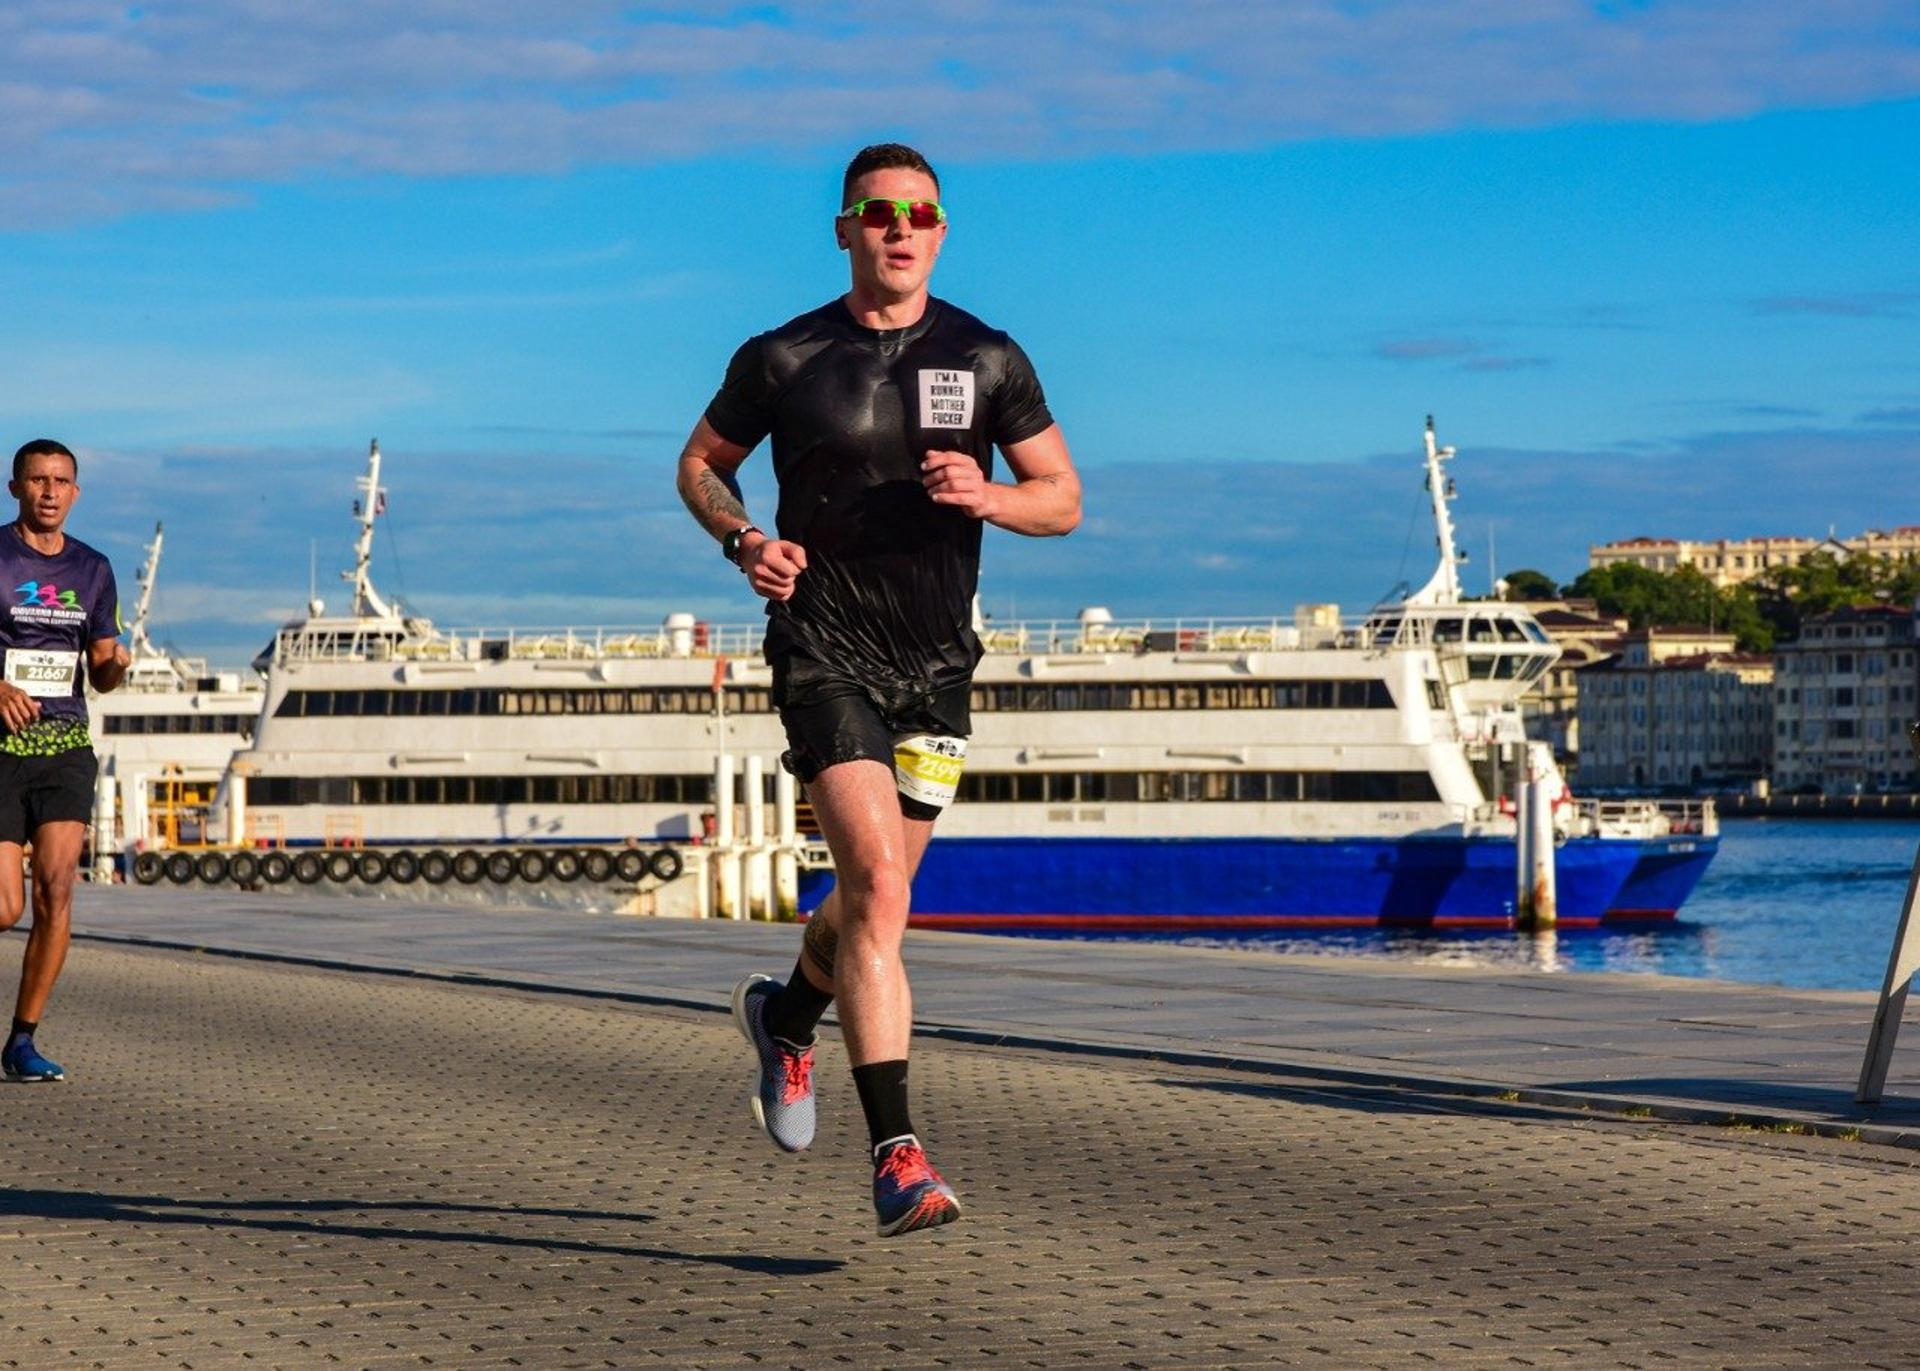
point(44, 675)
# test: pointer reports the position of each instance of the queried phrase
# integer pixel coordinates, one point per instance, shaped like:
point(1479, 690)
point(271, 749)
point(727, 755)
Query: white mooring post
point(786, 848)
point(1902, 962)
point(758, 870)
point(726, 862)
point(105, 842)
point(1538, 900)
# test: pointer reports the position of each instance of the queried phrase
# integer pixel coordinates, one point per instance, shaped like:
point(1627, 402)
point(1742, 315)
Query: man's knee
point(11, 908)
point(880, 891)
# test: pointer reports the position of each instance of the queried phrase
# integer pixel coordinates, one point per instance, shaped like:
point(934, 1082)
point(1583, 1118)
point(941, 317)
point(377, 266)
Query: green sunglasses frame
point(900, 207)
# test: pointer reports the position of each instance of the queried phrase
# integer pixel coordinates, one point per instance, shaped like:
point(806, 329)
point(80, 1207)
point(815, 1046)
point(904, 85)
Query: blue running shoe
point(21, 1061)
point(907, 1192)
point(783, 1098)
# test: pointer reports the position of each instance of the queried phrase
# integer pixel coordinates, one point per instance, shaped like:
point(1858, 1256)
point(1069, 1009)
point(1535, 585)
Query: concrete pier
point(523, 1140)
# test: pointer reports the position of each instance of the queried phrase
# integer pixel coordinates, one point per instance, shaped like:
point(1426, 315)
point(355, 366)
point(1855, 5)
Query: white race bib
point(946, 399)
point(44, 675)
point(927, 767)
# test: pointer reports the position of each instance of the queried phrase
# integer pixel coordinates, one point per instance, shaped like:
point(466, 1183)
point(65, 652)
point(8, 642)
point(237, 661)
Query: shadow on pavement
point(216, 1213)
point(1382, 1099)
point(1833, 1102)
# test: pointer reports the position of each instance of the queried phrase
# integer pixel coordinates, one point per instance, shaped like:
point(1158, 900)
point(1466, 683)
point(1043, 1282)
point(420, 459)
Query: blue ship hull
point(1668, 870)
point(1245, 883)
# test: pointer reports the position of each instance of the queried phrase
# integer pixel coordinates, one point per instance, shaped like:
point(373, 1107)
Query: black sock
point(883, 1095)
point(792, 1014)
point(21, 1029)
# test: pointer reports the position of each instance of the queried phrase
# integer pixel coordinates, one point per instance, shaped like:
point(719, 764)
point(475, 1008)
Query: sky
point(1649, 264)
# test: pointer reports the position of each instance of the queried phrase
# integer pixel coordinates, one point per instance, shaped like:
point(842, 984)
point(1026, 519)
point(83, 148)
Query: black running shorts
point(832, 718)
point(45, 790)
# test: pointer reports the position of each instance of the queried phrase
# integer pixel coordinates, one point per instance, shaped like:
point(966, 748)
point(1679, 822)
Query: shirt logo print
point(48, 595)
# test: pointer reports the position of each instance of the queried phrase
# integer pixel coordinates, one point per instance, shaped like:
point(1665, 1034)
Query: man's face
point(891, 263)
point(46, 490)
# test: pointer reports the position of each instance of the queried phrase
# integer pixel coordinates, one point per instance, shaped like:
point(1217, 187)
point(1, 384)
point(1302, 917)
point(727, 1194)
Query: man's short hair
point(885, 157)
point(43, 447)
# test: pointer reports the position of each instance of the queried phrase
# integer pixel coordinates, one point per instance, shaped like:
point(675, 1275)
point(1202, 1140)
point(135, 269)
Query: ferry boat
point(1192, 774)
point(166, 735)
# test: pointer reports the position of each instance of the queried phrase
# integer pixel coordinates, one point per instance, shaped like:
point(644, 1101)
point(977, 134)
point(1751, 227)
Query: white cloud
point(180, 105)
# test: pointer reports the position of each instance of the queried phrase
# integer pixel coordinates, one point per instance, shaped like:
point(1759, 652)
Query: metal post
point(726, 864)
point(786, 850)
point(758, 872)
point(1522, 862)
point(104, 842)
point(1541, 855)
point(1902, 961)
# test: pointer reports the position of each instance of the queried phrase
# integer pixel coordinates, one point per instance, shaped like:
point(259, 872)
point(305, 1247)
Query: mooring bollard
point(1902, 962)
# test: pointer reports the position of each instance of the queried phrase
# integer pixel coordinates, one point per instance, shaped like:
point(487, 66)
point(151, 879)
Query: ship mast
point(1444, 586)
point(367, 602)
point(138, 643)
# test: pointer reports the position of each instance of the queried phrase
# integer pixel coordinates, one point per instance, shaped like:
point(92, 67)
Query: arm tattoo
point(714, 501)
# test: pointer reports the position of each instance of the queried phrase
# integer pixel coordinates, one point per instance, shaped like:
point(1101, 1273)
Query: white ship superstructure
point(1210, 770)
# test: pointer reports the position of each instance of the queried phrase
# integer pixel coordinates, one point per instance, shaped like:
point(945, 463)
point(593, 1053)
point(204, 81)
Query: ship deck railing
point(1640, 817)
point(386, 642)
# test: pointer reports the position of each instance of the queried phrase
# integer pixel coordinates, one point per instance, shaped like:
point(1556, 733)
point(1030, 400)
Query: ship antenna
point(138, 643)
point(1443, 588)
point(367, 603)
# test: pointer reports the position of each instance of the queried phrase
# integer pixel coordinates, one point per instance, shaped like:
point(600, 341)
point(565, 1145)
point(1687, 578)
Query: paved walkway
point(1682, 1049)
point(265, 1164)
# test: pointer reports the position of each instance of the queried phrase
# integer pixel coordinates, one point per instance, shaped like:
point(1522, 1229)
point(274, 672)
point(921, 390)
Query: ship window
point(1096, 696)
point(1066, 697)
point(1481, 631)
point(1510, 631)
point(1436, 698)
point(1033, 697)
point(1446, 630)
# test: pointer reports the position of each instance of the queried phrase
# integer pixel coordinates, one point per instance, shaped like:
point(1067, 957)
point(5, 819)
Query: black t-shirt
point(888, 591)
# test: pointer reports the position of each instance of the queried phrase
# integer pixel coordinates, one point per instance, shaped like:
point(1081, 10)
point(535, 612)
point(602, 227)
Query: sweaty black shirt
point(887, 595)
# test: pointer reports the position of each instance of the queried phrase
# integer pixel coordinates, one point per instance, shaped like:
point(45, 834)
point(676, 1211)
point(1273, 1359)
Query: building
point(1729, 561)
point(1584, 636)
point(1678, 707)
point(1843, 695)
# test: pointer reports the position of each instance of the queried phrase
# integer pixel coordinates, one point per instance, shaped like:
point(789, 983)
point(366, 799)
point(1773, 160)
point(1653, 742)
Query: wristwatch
point(730, 545)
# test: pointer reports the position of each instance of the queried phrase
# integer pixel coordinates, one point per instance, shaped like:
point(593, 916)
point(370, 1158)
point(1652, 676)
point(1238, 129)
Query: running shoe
point(21, 1061)
point(783, 1098)
point(907, 1192)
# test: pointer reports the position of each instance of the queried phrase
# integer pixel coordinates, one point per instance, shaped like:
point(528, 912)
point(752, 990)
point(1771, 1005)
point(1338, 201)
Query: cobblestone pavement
point(270, 1166)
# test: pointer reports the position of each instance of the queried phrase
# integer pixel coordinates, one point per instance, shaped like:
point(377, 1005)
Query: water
point(1810, 903)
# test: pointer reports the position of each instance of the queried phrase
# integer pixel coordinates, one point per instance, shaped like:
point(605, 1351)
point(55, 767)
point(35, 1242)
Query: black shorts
point(45, 790)
point(832, 718)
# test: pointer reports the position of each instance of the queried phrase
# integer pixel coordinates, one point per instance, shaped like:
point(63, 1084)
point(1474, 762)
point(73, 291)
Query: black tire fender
point(371, 867)
point(666, 864)
point(403, 868)
point(307, 868)
point(179, 868)
point(211, 867)
point(148, 867)
point(597, 865)
point(468, 867)
point(276, 868)
point(244, 868)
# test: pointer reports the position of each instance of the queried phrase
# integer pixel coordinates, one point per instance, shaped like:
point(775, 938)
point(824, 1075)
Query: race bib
point(927, 767)
point(946, 399)
point(44, 675)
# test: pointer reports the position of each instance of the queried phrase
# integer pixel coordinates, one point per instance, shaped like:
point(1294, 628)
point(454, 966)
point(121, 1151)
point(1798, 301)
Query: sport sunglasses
point(880, 212)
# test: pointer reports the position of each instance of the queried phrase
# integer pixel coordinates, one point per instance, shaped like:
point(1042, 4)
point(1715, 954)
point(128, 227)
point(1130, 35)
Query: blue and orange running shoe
point(907, 1192)
point(21, 1061)
point(783, 1097)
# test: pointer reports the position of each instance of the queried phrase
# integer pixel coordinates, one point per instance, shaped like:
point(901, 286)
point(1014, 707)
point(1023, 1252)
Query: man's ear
point(840, 234)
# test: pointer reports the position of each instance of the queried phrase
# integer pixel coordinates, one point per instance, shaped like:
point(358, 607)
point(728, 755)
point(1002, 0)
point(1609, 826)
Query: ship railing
point(1062, 636)
point(379, 641)
point(1644, 818)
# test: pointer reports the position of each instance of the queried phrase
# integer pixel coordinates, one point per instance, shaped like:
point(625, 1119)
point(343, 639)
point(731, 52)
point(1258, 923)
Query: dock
point(314, 1129)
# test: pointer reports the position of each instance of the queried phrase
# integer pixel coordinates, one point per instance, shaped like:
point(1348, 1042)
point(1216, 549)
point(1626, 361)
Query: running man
point(884, 407)
point(59, 611)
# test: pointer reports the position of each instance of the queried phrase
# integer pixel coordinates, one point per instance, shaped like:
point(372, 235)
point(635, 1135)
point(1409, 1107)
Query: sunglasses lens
point(923, 214)
point(878, 214)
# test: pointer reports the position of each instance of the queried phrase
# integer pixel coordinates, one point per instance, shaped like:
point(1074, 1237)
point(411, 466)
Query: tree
point(1528, 584)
